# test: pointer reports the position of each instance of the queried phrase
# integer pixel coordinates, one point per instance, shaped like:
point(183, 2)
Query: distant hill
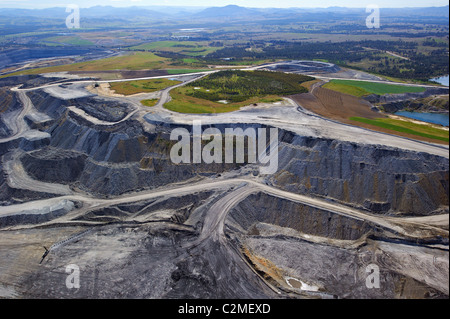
point(38, 13)
point(430, 11)
point(97, 11)
point(231, 11)
point(111, 12)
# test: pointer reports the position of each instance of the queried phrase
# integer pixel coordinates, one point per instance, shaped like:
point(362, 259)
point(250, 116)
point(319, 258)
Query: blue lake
point(442, 80)
point(434, 118)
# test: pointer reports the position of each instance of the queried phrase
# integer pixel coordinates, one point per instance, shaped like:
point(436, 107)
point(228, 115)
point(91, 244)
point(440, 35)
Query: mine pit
point(338, 202)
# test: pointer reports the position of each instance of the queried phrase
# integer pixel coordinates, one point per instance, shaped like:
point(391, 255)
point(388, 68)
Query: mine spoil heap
point(109, 199)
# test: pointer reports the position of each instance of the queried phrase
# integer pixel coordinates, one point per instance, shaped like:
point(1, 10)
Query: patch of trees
point(239, 86)
point(434, 43)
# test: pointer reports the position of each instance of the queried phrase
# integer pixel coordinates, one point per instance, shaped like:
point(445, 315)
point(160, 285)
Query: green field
point(133, 61)
point(67, 40)
point(362, 88)
point(189, 48)
point(183, 103)
point(141, 86)
point(407, 127)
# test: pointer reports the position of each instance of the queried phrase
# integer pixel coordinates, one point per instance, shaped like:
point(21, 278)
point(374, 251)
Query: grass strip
point(361, 88)
point(141, 86)
point(149, 103)
point(407, 127)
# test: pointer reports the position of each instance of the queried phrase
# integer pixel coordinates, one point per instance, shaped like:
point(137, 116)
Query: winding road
point(215, 219)
point(16, 122)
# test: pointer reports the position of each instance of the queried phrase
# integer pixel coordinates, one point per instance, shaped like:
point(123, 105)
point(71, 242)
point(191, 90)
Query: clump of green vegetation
point(362, 88)
point(181, 105)
point(407, 127)
point(150, 102)
point(271, 100)
point(228, 91)
point(239, 86)
point(141, 86)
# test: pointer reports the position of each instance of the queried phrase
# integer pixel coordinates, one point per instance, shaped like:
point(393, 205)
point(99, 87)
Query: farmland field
point(188, 48)
point(133, 61)
point(67, 40)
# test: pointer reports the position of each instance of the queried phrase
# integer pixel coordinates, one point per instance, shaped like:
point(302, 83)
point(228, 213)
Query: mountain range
point(227, 12)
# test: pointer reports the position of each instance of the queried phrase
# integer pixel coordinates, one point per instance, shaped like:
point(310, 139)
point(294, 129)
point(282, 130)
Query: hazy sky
point(31, 4)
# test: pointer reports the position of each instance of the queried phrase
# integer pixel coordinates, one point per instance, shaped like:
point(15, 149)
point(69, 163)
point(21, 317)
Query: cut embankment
point(261, 209)
point(381, 180)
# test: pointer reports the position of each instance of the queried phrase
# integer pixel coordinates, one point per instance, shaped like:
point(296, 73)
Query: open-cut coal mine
point(90, 178)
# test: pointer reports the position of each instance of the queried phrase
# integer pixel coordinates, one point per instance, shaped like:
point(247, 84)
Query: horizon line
point(205, 7)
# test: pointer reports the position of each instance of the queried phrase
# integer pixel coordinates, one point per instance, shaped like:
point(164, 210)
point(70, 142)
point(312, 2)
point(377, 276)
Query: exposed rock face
point(38, 216)
point(54, 165)
point(123, 158)
point(416, 106)
point(262, 208)
point(380, 179)
point(374, 98)
point(9, 103)
point(10, 196)
point(106, 110)
point(102, 108)
point(27, 81)
point(48, 104)
point(116, 144)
